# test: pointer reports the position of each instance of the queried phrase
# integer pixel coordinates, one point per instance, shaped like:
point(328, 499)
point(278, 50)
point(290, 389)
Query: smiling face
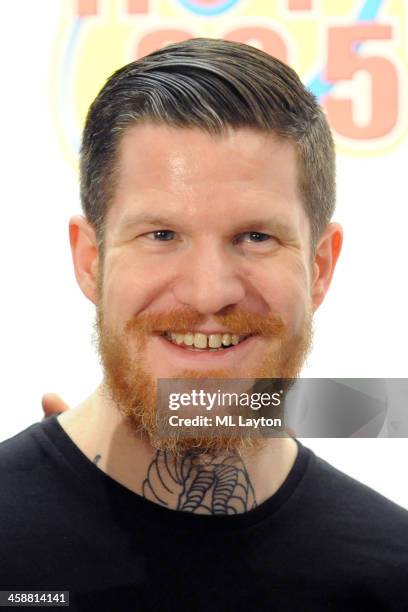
point(208, 226)
point(206, 238)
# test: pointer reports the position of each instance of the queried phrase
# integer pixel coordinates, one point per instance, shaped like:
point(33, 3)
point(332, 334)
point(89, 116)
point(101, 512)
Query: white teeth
point(189, 339)
point(214, 340)
point(202, 341)
point(226, 339)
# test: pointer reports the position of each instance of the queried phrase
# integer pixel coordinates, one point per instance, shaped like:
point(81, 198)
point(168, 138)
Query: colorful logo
point(352, 55)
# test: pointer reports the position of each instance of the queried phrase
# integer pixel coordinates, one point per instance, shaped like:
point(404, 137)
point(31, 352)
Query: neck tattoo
point(220, 486)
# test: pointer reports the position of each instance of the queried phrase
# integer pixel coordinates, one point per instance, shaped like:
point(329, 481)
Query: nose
point(209, 280)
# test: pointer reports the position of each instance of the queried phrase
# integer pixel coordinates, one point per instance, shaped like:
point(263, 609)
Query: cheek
point(285, 290)
point(130, 288)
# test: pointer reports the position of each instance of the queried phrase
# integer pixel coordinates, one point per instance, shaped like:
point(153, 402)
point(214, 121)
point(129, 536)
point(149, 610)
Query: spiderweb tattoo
point(219, 486)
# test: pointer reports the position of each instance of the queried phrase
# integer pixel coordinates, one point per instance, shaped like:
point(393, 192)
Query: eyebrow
point(275, 224)
point(147, 218)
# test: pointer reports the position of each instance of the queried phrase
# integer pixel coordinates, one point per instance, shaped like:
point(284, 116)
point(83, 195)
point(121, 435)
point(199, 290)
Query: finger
point(53, 404)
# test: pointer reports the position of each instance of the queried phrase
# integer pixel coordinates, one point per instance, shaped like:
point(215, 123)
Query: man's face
point(205, 234)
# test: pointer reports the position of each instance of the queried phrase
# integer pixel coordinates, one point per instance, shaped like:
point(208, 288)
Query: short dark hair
point(213, 85)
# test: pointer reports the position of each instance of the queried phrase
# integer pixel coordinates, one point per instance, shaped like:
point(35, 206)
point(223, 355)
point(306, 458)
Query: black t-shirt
point(323, 541)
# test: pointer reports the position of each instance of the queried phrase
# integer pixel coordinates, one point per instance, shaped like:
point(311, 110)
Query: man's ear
point(327, 252)
point(84, 250)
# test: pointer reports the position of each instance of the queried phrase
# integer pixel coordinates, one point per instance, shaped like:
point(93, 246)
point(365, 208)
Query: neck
point(229, 483)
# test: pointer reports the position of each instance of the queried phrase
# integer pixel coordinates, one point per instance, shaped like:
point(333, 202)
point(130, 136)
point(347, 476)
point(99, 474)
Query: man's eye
point(256, 236)
point(162, 235)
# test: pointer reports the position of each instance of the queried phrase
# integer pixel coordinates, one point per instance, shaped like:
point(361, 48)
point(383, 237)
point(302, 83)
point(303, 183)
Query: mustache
point(183, 321)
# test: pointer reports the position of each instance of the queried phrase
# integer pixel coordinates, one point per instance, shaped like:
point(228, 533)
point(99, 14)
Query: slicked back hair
point(212, 85)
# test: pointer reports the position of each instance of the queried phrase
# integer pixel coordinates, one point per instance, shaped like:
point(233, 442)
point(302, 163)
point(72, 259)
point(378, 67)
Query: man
point(208, 187)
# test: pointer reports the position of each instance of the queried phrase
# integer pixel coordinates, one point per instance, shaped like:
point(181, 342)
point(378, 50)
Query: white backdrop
point(361, 328)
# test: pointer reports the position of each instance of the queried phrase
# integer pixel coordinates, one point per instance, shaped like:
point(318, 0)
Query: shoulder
point(17, 452)
point(351, 524)
point(348, 502)
point(23, 466)
point(20, 465)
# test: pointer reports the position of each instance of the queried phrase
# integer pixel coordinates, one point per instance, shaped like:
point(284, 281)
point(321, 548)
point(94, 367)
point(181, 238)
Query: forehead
point(189, 172)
